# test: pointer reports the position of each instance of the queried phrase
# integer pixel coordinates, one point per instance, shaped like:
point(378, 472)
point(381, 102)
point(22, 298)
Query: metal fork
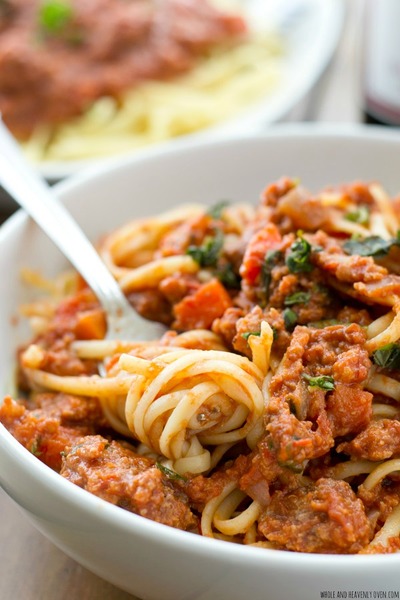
point(40, 202)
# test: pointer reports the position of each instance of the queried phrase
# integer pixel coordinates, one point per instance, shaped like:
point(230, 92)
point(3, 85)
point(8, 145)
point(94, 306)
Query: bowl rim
point(292, 130)
point(127, 521)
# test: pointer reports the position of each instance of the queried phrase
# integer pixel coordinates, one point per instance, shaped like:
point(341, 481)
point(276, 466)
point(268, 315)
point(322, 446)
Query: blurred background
point(326, 75)
point(337, 96)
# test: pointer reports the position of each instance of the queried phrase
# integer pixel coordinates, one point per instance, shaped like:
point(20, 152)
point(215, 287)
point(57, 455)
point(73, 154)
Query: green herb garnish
point(297, 298)
point(388, 356)
point(270, 442)
point(324, 323)
point(360, 215)
point(298, 259)
point(54, 16)
point(215, 212)
point(169, 473)
point(208, 253)
point(228, 277)
point(325, 382)
point(289, 461)
point(289, 318)
point(271, 259)
point(369, 246)
point(292, 466)
point(247, 334)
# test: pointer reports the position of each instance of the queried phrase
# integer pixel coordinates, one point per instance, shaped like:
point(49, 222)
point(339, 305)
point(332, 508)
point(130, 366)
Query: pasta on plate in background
point(268, 413)
point(90, 79)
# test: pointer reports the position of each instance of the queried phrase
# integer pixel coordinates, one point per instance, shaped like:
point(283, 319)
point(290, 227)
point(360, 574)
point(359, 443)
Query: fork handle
point(36, 197)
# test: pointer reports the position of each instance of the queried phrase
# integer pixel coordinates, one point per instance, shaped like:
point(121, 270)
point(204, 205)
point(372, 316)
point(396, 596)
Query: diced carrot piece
point(199, 310)
point(91, 325)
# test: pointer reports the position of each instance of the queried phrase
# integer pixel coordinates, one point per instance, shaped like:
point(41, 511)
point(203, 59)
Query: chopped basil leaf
point(289, 318)
point(208, 253)
point(388, 356)
point(228, 277)
point(324, 323)
point(271, 259)
point(297, 298)
point(292, 466)
point(361, 215)
point(247, 334)
point(215, 212)
point(270, 443)
point(291, 463)
point(169, 473)
point(55, 15)
point(369, 246)
point(325, 382)
point(298, 259)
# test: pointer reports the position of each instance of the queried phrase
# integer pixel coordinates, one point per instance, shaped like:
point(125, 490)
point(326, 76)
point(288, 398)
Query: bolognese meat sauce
point(310, 279)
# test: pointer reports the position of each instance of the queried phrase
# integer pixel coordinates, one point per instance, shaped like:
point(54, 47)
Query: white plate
point(311, 28)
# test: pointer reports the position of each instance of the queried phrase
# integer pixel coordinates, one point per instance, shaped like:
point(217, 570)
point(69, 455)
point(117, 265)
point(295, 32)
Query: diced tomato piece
point(267, 238)
point(191, 231)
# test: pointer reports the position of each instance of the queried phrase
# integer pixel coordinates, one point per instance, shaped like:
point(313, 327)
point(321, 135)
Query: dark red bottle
point(381, 63)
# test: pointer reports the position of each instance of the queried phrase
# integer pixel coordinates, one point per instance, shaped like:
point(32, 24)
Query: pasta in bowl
point(266, 415)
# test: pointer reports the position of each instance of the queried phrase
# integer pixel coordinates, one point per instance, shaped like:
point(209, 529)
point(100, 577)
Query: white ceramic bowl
point(147, 559)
